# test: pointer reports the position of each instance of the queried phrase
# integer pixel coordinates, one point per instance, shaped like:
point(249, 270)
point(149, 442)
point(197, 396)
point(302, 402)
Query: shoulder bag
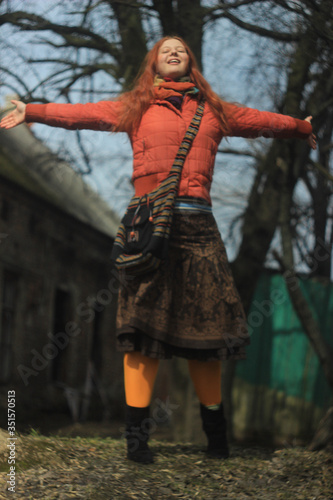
point(142, 239)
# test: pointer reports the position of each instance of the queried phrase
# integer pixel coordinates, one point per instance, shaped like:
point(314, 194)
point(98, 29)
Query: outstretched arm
point(16, 117)
point(103, 115)
point(251, 123)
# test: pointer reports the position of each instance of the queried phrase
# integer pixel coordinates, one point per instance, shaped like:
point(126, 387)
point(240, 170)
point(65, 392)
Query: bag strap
point(188, 139)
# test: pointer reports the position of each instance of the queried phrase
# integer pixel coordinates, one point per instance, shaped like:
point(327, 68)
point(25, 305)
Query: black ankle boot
point(137, 434)
point(215, 427)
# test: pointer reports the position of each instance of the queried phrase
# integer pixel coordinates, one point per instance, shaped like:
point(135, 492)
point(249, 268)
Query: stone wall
point(57, 305)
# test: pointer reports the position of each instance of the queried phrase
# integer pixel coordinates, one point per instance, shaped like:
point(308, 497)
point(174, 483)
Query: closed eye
point(169, 49)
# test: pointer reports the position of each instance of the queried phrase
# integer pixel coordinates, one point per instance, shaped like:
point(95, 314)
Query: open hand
point(15, 117)
point(311, 140)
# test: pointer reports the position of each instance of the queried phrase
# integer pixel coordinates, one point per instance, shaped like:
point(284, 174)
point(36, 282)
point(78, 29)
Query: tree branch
point(300, 304)
point(75, 36)
point(234, 5)
point(88, 69)
point(322, 169)
point(237, 152)
point(224, 9)
point(15, 77)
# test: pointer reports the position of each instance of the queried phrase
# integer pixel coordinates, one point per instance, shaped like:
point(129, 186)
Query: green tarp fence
point(280, 356)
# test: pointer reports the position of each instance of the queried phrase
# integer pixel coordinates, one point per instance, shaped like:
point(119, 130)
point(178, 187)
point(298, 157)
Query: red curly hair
point(137, 101)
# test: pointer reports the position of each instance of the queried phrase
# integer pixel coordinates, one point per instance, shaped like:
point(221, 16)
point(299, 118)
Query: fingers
point(5, 122)
point(314, 142)
point(8, 121)
point(311, 140)
point(15, 117)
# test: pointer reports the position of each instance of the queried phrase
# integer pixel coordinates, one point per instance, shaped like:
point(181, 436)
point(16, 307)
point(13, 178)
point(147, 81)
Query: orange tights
point(140, 374)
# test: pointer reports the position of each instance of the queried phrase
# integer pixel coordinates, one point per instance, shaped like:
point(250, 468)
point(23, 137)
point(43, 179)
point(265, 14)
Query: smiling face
point(172, 59)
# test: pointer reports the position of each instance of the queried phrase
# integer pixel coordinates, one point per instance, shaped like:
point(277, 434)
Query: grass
point(96, 468)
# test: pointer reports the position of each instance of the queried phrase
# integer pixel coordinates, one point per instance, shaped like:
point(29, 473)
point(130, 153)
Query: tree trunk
point(190, 25)
point(324, 433)
point(133, 41)
point(183, 18)
point(283, 160)
point(283, 163)
point(300, 304)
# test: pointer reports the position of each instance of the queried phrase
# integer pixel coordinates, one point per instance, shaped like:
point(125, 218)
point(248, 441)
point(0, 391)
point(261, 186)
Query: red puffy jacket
point(156, 141)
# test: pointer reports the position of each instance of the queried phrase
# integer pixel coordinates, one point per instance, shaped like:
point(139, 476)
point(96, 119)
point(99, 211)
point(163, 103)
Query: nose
point(174, 52)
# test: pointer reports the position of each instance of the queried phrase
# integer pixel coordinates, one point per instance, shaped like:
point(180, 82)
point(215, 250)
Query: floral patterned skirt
point(189, 307)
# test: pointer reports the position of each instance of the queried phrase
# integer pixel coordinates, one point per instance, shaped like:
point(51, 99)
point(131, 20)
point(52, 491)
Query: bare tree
point(309, 88)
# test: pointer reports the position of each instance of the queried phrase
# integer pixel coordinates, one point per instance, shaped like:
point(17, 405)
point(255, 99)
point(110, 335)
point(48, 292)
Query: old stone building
point(57, 289)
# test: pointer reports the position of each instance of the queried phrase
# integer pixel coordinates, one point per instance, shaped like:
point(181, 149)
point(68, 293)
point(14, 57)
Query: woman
point(189, 307)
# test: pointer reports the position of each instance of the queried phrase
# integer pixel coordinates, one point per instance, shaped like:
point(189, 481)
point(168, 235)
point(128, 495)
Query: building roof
point(28, 162)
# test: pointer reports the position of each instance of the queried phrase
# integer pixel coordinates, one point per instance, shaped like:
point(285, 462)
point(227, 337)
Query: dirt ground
point(73, 464)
